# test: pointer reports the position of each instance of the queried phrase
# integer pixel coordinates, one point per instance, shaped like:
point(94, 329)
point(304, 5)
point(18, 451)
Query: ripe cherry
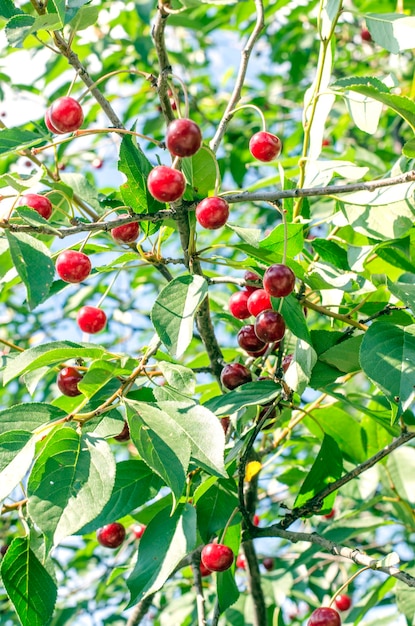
point(343, 602)
point(127, 233)
point(252, 276)
point(268, 563)
point(265, 146)
point(286, 362)
point(324, 616)
point(91, 319)
point(235, 374)
point(138, 530)
point(212, 212)
point(67, 381)
point(330, 515)
point(238, 304)
point(269, 326)
point(183, 137)
point(279, 280)
point(258, 301)
point(64, 115)
point(241, 561)
point(248, 339)
point(124, 434)
point(258, 352)
point(166, 184)
point(255, 520)
point(365, 35)
point(204, 571)
point(73, 266)
point(225, 423)
point(217, 557)
point(39, 203)
point(112, 535)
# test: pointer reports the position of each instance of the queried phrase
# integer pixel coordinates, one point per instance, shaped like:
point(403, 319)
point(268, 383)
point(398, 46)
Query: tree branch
point(140, 610)
point(240, 79)
point(200, 600)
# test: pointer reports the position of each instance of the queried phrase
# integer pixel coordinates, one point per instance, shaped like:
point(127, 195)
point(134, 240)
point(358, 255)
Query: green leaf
point(60, 10)
point(135, 484)
point(97, 376)
point(215, 503)
point(405, 292)
point(331, 252)
point(393, 31)
point(337, 421)
point(33, 264)
point(8, 9)
point(32, 217)
point(167, 540)
point(293, 313)
point(345, 355)
point(19, 27)
point(409, 149)
point(70, 483)
point(275, 240)
point(14, 139)
point(301, 367)
point(29, 586)
point(178, 377)
point(326, 469)
point(405, 598)
point(28, 416)
point(85, 17)
point(200, 171)
point(17, 449)
point(174, 311)
point(49, 354)
point(387, 356)
point(250, 394)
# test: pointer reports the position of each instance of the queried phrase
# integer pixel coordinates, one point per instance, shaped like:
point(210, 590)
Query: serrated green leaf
point(326, 469)
point(393, 31)
point(387, 356)
point(337, 421)
point(49, 354)
point(409, 149)
point(70, 483)
point(301, 367)
point(84, 17)
point(275, 240)
point(174, 310)
point(345, 355)
point(405, 292)
point(99, 374)
point(29, 586)
point(8, 9)
point(178, 377)
point(33, 264)
point(20, 26)
point(200, 171)
point(13, 139)
point(135, 484)
point(167, 540)
point(215, 503)
point(28, 416)
point(17, 449)
point(293, 313)
point(250, 394)
point(32, 217)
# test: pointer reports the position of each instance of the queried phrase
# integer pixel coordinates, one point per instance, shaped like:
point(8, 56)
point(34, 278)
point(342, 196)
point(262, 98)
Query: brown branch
point(163, 60)
point(254, 584)
point(338, 316)
point(140, 610)
point(240, 79)
point(314, 504)
point(200, 600)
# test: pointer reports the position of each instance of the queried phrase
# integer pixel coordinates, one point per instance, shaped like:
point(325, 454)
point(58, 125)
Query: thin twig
point(200, 600)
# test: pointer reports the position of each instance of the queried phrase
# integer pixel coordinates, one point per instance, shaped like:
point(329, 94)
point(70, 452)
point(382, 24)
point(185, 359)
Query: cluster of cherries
point(269, 326)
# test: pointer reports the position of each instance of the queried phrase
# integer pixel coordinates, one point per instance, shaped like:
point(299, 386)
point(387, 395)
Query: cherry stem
point(347, 583)
point(251, 106)
point(97, 131)
point(185, 95)
point(110, 286)
point(146, 75)
point(228, 523)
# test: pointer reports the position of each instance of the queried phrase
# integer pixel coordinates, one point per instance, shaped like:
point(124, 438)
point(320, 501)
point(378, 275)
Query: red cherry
point(241, 561)
point(3, 549)
point(183, 137)
point(269, 326)
point(343, 602)
point(126, 233)
point(268, 563)
point(67, 381)
point(248, 339)
point(124, 435)
point(279, 280)
point(225, 422)
point(138, 530)
point(330, 515)
point(212, 212)
point(258, 352)
point(324, 616)
point(64, 115)
point(365, 35)
point(204, 571)
point(217, 557)
point(39, 203)
point(286, 362)
point(166, 184)
point(265, 146)
point(252, 276)
point(97, 163)
point(255, 520)
point(49, 124)
point(73, 266)
point(325, 143)
point(258, 301)
point(235, 374)
point(91, 319)
point(111, 535)
point(238, 304)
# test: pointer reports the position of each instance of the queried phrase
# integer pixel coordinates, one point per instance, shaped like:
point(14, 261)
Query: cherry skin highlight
point(112, 535)
point(91, 319)
point(258, 301)
point(67, 381)
point(64, 115)
point(166, 184)
point(41, 204)
point(212, 212)
point(138, 530)
point(217, 557)
point(238, 304)
point(183, 137)
point(235, 374)
point(343, 602)
point(269, 326)
point(265, 146)
point(324, 616)
point(241, 561)
point(127, 233)
point(279, 280)
point(73, 266)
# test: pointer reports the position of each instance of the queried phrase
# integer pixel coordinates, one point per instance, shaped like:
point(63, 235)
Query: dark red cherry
point(67, 381)
point(127, 233)
point(112, 535)
point(269, 326)
point(235, 374)
point(248, 339)
point(183, 137)
point(324, 616)
point(279, 280)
